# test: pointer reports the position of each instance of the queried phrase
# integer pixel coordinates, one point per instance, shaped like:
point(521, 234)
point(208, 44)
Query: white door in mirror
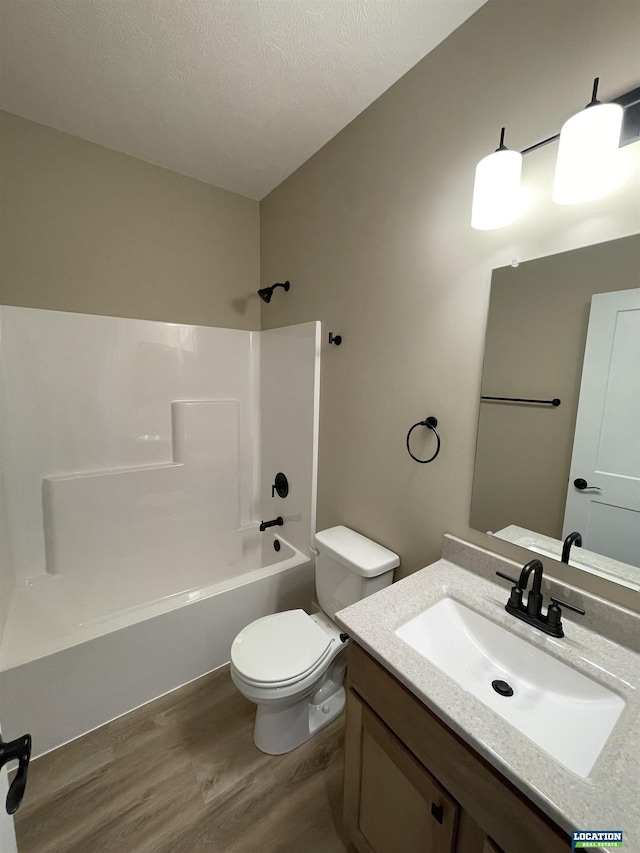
point(603, 497)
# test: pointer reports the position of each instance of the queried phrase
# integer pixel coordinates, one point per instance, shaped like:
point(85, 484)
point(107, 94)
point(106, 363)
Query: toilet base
point(278, 730)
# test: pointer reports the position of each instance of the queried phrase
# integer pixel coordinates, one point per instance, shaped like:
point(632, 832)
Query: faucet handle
point(508, 578)
point(515, 599)
point(554, 615)
point(575, 609)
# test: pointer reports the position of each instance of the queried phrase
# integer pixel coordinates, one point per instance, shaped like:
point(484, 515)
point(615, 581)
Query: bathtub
point(82, 648)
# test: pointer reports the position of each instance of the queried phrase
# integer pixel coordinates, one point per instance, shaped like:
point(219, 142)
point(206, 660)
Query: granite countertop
point(608, 797)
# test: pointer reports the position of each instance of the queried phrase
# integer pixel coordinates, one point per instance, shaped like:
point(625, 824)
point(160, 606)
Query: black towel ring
point(432, 423)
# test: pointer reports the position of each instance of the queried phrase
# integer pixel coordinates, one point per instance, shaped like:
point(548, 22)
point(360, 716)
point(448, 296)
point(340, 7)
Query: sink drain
point(502, 687)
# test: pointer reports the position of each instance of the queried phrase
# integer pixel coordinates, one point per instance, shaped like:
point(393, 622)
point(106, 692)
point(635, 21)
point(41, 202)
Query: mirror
point(523, 488)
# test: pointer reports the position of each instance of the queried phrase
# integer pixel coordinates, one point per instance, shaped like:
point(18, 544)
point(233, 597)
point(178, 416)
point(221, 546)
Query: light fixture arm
point(594, 94)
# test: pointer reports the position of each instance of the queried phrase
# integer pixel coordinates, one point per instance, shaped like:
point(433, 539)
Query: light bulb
point(588, 164)
point(497, 199)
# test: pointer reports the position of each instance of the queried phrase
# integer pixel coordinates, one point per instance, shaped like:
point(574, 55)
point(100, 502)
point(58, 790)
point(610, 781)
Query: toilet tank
point(349, 567)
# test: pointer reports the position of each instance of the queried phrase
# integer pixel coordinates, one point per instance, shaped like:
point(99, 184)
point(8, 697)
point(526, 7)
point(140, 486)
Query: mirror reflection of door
point(537, 328)
point(606, 448)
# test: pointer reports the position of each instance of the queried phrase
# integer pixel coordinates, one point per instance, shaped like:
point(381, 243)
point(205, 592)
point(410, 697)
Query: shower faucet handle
point(281, 486)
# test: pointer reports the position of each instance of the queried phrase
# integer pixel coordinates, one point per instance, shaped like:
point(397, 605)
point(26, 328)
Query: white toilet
point(291, 664)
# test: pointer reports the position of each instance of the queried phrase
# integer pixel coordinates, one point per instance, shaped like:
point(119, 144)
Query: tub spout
point(277, 522)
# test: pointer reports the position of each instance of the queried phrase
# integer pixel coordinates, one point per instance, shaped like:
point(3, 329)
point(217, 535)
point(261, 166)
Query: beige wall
point(536, 334)
point(86, 229)
point(374, 234)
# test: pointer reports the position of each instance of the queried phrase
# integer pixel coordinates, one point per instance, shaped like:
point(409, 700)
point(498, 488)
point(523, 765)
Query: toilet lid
point(279, 647)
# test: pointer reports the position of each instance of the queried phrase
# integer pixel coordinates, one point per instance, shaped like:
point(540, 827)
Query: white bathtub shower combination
point(137, 459)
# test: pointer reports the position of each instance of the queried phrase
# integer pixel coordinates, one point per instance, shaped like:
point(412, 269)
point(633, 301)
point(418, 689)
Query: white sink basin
point(561, 710)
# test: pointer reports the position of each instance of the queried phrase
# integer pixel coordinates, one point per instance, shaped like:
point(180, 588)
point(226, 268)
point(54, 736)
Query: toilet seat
point(280, 650)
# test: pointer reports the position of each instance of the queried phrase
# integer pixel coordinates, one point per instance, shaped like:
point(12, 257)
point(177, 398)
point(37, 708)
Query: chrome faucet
point(531, 613)
point(572, 539)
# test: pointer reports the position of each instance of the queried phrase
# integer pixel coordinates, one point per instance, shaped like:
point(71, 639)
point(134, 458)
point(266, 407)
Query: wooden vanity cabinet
point(413, 786)
point(401, 806)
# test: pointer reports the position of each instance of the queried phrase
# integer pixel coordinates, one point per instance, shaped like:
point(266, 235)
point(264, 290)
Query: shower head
point(265, 293)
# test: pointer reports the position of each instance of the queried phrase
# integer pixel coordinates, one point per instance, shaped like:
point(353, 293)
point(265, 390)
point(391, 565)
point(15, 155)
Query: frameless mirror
point(558, 446)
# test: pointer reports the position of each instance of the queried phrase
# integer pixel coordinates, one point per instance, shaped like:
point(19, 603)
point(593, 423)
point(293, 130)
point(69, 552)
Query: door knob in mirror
point(582, 484)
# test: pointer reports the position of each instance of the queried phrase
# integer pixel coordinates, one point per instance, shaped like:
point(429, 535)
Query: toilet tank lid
point(356, 552)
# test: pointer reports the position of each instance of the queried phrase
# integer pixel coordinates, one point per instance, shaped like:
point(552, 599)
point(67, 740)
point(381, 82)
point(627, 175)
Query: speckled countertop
point(609, 797)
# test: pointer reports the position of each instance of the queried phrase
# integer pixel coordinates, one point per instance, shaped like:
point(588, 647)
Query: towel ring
point(431, 423)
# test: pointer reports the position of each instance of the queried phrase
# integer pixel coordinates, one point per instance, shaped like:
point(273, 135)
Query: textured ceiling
point(237, 93)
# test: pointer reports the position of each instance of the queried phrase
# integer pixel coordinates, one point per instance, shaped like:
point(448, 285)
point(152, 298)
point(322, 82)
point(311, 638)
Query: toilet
point(291, 664)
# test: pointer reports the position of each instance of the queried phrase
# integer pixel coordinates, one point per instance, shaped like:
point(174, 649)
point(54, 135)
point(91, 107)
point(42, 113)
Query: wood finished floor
point(182, 775)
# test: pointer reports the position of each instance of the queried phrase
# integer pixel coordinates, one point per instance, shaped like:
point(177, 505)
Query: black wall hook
point(431, 423)
point(335, 339)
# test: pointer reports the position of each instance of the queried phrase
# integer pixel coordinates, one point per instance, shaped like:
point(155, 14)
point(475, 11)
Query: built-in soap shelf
point(94, 519)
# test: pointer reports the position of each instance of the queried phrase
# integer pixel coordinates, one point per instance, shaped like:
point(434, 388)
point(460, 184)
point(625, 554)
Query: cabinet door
point(391, 802)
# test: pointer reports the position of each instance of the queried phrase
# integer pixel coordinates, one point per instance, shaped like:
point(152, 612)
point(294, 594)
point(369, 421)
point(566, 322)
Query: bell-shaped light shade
point(496, 193)
point(588, 165)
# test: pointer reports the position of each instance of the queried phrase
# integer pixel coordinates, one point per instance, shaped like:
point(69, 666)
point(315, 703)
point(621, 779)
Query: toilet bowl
point(292, 664)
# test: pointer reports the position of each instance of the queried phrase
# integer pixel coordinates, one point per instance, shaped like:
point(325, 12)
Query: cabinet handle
point(437, 812)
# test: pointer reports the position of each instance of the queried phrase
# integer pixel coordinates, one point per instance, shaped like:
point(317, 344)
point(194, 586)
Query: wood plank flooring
point(182, 775)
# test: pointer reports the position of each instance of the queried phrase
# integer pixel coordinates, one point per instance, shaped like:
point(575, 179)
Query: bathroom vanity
point(431, 767)
point(412, 784)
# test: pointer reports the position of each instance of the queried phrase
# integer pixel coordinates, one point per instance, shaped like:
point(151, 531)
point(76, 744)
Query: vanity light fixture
point(587, 166)
point(497, 198)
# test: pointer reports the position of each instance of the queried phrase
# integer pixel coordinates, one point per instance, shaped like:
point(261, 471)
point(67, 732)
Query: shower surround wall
point(95, 438)
point(288, 399)
point(132, 486)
